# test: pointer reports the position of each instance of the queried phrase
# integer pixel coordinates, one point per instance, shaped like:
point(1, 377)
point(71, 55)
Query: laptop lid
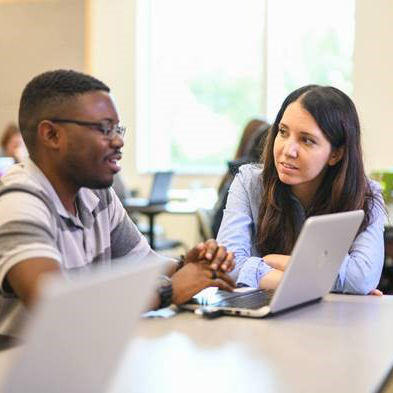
point(159, 192)
point(80, 329)
point(312, 270)
point(316, 258)
point(160, 188)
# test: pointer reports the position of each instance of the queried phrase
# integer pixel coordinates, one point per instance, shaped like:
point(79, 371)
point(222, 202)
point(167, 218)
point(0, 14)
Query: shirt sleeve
point(126, 239)
point(124, 235)
point(361, 269)
point(253, 269)
point(26, 231)
point(236, 234)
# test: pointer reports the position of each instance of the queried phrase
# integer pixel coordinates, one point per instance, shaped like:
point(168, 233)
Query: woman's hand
point(376, 292)
point(214, 254)
point(277, 261)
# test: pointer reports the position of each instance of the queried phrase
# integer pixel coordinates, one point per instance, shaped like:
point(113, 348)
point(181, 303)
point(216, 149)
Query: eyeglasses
point(104, 126)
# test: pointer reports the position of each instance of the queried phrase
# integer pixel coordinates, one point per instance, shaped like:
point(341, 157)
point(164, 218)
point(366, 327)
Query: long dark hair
point(344, 186)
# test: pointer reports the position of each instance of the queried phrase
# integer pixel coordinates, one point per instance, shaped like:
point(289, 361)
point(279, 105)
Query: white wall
point(36, 36)
point(373, 79)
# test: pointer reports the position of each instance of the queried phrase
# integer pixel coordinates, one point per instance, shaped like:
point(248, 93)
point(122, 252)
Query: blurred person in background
point(12, 144)
point(249, 150)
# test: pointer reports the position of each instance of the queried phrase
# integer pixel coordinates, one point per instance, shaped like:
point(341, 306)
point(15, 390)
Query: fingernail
point(214, 266)
point(208, 255)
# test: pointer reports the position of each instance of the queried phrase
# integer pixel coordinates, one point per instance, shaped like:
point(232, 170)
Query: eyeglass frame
point(105, 126)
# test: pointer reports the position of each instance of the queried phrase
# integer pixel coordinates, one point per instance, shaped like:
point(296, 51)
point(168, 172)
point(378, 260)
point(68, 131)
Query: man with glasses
point(59, 212)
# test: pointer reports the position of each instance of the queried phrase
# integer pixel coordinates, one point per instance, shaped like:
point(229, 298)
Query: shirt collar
point(87, 198)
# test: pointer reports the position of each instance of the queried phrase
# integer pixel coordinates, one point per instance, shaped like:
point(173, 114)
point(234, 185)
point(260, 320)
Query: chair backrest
point(204, 223)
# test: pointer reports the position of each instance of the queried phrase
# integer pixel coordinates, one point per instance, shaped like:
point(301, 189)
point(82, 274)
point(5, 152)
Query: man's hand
point(216, 255)
point(277, 261)
point(194, 277)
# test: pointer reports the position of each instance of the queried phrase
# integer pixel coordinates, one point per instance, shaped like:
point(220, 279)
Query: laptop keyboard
point(252, 299)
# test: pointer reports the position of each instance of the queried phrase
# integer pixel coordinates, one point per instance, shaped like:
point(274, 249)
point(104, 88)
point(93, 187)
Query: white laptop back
point(312, 270)
point(80, 329)
point(316, 258)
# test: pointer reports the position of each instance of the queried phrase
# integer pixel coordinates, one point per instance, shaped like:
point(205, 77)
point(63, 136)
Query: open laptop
point(158, 194)
point(312, 270)
point(78, 332)
point(5, 163)
point(387, 383)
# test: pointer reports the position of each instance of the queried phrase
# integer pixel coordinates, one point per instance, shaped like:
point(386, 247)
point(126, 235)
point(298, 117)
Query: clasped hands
point(206, 265)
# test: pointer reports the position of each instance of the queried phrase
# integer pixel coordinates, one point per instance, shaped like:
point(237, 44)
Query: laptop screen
point(161, 186)
point(5, 163)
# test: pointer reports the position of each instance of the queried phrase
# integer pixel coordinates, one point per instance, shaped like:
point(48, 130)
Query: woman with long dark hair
point(312, 164)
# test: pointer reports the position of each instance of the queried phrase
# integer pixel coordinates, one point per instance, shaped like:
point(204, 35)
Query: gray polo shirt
point(34, 224)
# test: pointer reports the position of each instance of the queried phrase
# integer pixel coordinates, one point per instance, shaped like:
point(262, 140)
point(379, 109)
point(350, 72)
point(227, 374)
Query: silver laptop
point(319, 251)
point(78, 333)
point(159, 192)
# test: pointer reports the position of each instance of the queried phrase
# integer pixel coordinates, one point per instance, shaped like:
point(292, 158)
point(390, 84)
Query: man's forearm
point(24, 278)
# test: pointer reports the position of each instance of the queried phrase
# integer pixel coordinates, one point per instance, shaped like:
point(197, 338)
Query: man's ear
point(336, 155)
point(48, 134)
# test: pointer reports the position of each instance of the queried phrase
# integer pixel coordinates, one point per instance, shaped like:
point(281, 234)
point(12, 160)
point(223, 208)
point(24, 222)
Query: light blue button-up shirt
point(361, 269)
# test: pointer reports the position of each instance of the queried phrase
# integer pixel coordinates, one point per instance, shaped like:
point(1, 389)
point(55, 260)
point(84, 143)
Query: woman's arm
point(361, 270)
point(277, 261)
point(237, 229)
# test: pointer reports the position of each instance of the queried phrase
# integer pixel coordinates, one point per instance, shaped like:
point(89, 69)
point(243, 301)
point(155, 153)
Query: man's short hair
point(46, 95)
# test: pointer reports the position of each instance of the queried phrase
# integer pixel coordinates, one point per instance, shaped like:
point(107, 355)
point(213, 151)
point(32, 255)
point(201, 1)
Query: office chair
point(204, 221)
point(150, 207)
